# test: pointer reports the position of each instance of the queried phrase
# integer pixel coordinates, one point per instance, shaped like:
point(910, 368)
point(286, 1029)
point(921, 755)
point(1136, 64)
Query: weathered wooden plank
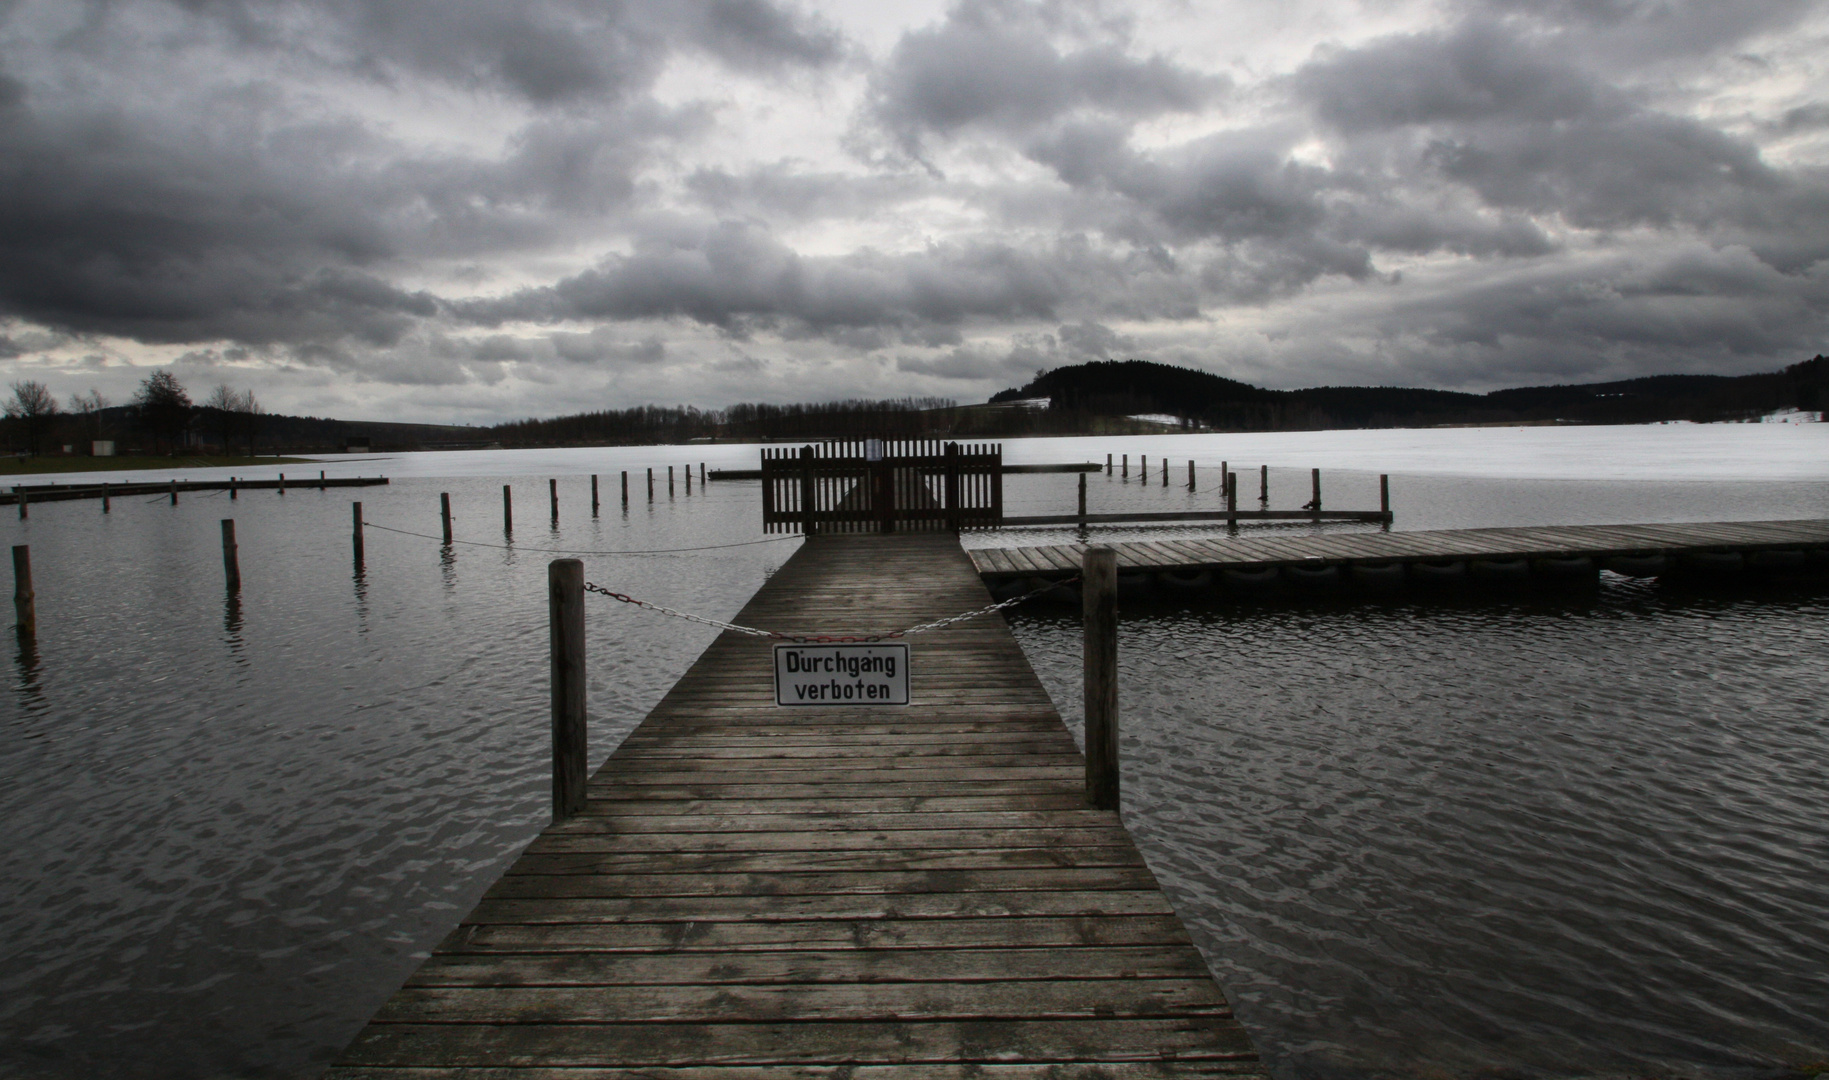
point(626, 1045)
point(1161, 933)
point(538, 907)
point(1166, 1069)
point(805, 967)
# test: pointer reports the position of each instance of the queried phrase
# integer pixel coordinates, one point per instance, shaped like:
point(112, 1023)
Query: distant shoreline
point(72, 463)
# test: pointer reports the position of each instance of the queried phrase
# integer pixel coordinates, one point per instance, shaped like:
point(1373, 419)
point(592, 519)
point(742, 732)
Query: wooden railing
point(882, 485)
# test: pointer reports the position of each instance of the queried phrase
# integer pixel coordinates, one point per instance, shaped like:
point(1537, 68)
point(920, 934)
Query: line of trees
point(161, 415)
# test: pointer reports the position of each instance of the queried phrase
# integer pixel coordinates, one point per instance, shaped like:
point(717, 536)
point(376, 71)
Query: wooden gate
point(882, 485)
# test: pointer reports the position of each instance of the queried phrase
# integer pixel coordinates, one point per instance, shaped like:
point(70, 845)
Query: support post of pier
point(174, 493)
point(669, 481)
point(1190, 476)
point(1263, 483)
point(1143, 468)
point(320, 479)
point(565, 606)
point(25, 600)
point(231, 558)
point(593, 494)
point(1124, 467)
point(444, 513)
point(234, 495)
point(1384, 496)
point(1165, 470)
point(507, 509)
point(552, 488)
point(107, 502)
point(625, 489)
point(650, 484)
point(1316, 505)
point(1225, 470)
point(282, 483)
point(807, 490)
point(1099, 590)
point(1231, 484)
point(701, 474)
point(1082, 500)
point(1107, 464)
point(355, 536)
point(688, 471)
point(19, 495)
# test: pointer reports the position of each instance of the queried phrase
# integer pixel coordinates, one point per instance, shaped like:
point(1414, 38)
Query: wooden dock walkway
point(1309, 550)
point(849, 892)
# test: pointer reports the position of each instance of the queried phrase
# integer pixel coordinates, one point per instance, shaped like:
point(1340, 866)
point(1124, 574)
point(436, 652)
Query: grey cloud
point(607, 345)
point(995, 64)
point(1481, 72)
point(1092, 341)
point(972, 365)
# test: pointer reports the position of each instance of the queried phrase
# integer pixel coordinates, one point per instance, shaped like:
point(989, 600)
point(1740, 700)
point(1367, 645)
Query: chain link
point(829, 639)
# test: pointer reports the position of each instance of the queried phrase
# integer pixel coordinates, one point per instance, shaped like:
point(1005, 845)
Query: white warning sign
point(874, 674)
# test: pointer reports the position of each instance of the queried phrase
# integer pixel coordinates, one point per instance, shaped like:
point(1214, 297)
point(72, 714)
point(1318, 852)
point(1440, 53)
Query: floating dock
point(853, 892)
point(35, 493)
point(1563, 552)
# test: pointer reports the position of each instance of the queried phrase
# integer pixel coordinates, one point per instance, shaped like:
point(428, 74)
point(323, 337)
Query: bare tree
point(164, 407)
point(33, 407)
point(88, 409)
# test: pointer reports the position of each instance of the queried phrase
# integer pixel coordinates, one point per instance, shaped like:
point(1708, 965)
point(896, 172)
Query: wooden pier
point(36, 493)
point(1781, 546)
point(852, 892)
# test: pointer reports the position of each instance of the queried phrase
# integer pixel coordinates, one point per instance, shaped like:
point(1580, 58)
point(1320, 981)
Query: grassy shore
point(26, 466)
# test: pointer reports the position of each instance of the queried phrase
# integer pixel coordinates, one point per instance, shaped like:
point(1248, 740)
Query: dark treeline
point(904, 417)
point(1132, 387)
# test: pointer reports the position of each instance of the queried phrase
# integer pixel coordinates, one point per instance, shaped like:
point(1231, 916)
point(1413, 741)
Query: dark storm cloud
point(1001, 65)
point(243, 213)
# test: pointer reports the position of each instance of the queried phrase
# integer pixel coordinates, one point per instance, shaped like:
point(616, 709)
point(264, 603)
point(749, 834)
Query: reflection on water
point(1418, 839)
point(1569, 836)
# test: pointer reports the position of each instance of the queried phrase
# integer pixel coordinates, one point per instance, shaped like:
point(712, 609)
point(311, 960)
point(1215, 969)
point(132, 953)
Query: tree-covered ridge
point(1133, 387)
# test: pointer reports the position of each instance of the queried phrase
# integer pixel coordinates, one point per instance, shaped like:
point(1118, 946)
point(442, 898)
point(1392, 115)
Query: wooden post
point(807, 490)
point(1124, 471)
point(25, 601)
point(444, 513)
point(1190, 476)
point(1107, 464)
point(953, 516)
point(1165, 470)
point(282, 483)
point(107, 503)
point(320, 479)
point(565, 607)
point(19, 496)
point(1263, 483)
point(593, 494)
point(1099, 589)
point(701, 474)
point(1384, 496)
point(1231, 485)
point(552, 488)
point(1143, 468)
point(1225, 470)
point(688, 471)
point(625, 489)
point(234, 495)
point(507, 509)
point(650, 485)
point(669, 481)
point(174, 494)
point(1082, 500)
point(1316, 505)
point(355, 536)
point(231, 559)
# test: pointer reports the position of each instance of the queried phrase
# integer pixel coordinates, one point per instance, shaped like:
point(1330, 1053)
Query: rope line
point(571, 551)
point(830, 639)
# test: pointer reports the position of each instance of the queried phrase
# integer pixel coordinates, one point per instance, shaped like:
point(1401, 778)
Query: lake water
point(1498, 836)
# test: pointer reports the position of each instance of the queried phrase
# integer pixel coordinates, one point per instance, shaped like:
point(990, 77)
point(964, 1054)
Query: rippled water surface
point(1559, 837)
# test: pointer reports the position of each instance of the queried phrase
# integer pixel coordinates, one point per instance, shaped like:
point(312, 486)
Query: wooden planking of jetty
point(1598, 542)
point(869, 893)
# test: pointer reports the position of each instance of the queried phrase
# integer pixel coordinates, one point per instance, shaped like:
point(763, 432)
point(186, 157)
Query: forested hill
point(1135, 387)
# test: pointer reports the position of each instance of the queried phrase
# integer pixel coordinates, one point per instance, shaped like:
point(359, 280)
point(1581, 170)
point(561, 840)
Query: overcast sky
point(473, 210)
